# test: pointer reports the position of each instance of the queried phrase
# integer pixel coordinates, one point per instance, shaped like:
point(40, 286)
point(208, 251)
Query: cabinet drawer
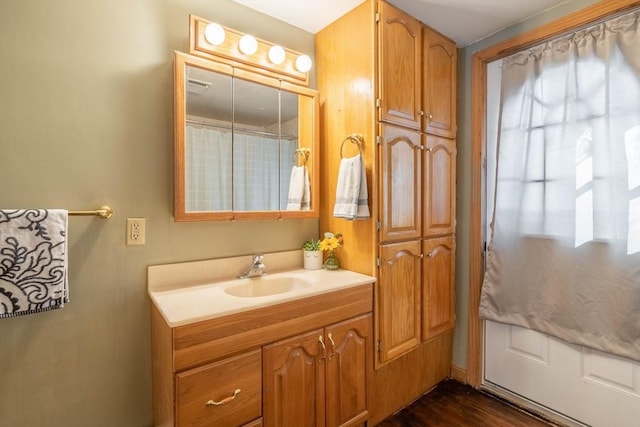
point(197, 390)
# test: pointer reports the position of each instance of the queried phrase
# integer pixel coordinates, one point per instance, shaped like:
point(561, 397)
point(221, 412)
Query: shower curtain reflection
point(243, 172)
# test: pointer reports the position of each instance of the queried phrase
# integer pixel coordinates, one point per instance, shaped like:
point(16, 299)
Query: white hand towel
point(33, 261)
point(305, 205)
point(351, 191)
point(299, 189)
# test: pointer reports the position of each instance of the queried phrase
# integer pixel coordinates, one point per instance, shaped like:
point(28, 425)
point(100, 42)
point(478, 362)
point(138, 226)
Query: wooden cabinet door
point(439, 84)
point(400, 184)
point(438, 286)
point(294, 381)
point(400, 62)
point(349, 364)
point(398, 300)
point(439, 186)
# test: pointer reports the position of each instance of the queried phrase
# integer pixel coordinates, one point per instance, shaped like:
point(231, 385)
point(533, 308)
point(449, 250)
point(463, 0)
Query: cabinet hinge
point(377, 17)
point(378, 346)
point(378, 262)
point(378, 225)
point(377, 102)
point(378, 139)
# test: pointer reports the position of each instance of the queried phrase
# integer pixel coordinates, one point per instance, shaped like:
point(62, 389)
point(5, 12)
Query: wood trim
point(562, 25)
point(476, 267)
point(162, 370)
point(459, 374)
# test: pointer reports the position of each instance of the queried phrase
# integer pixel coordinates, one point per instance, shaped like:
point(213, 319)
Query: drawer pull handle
point(324, 348)
point(223, 401)
point(333, 347)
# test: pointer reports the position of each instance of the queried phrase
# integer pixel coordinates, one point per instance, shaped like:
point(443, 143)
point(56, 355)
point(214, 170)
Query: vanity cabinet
point(319, 378)
point(266, 366)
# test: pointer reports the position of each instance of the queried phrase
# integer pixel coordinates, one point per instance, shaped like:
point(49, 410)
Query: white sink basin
point(266, 285)
point(188, 304)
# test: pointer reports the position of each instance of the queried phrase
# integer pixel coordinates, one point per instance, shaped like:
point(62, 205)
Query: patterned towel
point(33, 261)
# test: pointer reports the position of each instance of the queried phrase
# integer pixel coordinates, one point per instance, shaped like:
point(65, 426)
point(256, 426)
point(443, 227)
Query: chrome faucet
point(256, 269)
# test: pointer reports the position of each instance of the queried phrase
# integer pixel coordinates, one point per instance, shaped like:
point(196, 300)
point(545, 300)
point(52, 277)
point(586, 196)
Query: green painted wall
point(464, 162)
point(86, 118)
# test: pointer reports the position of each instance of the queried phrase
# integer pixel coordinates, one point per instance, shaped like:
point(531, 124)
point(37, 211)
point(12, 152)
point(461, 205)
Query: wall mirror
point(245, 144)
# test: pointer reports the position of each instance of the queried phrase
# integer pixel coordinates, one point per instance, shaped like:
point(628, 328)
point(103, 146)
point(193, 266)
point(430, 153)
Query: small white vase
point(312, 260)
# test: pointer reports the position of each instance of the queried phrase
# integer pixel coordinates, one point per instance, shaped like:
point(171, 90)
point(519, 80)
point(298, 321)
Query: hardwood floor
point(452, 404)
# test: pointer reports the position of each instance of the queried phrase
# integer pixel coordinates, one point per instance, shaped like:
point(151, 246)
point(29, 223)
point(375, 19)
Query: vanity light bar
point(212, 39)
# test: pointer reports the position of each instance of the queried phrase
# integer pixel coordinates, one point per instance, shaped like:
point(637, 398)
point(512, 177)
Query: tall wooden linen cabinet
point(388, 77)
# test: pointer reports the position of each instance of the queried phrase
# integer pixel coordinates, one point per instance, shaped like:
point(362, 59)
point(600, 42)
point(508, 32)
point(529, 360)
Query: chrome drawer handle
point(223, 401)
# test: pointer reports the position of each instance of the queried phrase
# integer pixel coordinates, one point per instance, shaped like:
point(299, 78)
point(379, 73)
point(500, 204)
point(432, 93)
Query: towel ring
point(304, 152)
point(356, 138)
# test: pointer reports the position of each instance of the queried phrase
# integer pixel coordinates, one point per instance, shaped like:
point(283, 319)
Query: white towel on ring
point(299, 189)
point(352, 198)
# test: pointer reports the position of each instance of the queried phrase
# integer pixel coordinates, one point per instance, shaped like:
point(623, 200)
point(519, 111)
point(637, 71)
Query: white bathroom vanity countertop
point(196, 302)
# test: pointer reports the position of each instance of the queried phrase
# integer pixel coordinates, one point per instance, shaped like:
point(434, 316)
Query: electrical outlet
point(136, 232)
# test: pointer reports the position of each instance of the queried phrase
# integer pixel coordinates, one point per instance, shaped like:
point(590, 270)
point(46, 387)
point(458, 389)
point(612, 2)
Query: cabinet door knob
point(223, 401)
point(421, 112)
point(430, 116)
point(333, 346)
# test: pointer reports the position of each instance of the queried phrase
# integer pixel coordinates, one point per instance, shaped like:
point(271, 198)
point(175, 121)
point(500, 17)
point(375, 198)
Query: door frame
point(480, 60)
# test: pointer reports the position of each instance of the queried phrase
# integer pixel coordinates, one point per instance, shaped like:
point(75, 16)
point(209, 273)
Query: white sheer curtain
point(208, 166)
point(564, 255)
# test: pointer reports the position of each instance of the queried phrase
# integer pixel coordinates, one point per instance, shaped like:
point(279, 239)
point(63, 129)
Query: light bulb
point(214, 34)
point(248, 44)
point(276, 54)
point(303, 63)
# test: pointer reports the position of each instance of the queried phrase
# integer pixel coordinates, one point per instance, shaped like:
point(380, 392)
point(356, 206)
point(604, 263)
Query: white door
point(595, 388)
point(588, 386)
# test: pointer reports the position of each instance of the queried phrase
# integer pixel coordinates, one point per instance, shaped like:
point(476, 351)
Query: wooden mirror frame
point(308, 129)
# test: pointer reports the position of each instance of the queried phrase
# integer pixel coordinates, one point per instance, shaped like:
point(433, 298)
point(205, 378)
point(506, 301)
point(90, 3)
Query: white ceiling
point(464, 21)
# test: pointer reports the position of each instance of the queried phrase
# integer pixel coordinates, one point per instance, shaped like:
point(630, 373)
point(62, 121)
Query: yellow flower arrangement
point(330, 242)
